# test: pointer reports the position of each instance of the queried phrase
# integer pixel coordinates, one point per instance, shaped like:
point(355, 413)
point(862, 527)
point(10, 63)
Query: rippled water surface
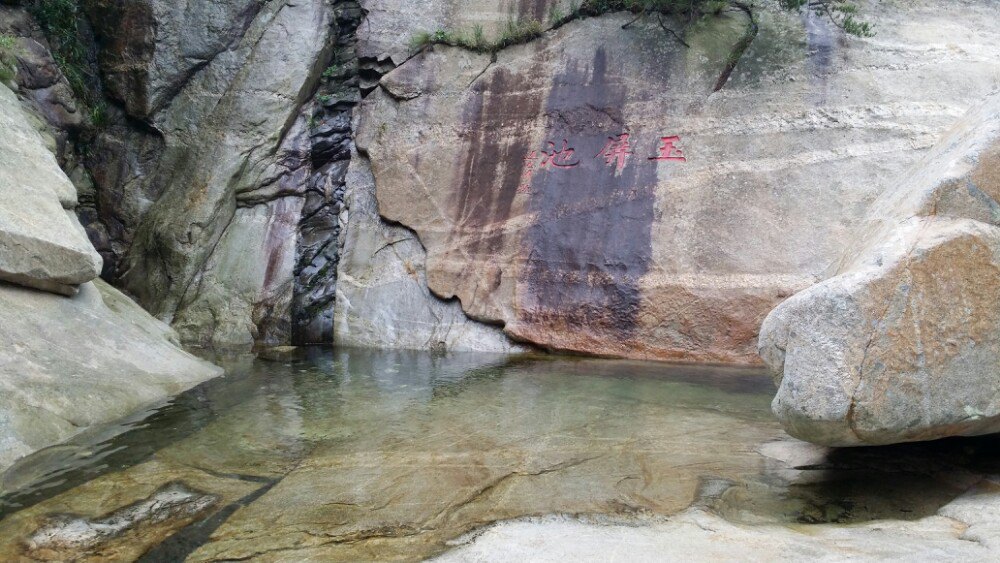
point(356, 455)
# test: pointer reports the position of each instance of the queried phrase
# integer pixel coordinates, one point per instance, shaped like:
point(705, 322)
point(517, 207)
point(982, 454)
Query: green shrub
point(59, 19)
point(842, 13)
point(332, 70)
point(513, 33)
point(8, 57)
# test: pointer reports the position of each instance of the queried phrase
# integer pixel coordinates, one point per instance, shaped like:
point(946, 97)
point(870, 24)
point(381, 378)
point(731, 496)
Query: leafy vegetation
point(841, 13)
point(513, 33)
point(8, 57)
point(332, 71)
point(60, 20)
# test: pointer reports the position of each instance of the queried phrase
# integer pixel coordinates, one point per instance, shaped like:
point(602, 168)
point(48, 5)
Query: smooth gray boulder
point(67, 364)
point(41, 244)
point(903, 343)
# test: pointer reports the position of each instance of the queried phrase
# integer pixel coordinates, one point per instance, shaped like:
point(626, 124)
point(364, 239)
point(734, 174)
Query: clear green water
point(358, 455)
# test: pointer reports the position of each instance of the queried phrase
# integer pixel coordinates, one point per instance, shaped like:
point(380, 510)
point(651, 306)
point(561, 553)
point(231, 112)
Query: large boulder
point(674, 243)
point(70, 363)
point(903, 343)
point(41, 243)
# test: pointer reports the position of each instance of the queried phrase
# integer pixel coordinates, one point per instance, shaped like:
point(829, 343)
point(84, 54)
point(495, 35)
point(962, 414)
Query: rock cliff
point(617, 192)
point(74, 352)
point(314, 171)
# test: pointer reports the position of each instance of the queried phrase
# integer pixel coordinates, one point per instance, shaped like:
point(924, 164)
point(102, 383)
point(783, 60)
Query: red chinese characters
point(559, 159)
point(616, 151)
point(551, 158)
point(669, 150)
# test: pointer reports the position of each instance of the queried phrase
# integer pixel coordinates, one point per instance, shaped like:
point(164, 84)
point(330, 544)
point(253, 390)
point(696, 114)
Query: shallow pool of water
point(358, 455)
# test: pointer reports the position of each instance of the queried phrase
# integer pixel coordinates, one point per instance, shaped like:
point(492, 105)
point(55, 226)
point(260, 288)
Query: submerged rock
point(904, 343)
point(69, 536)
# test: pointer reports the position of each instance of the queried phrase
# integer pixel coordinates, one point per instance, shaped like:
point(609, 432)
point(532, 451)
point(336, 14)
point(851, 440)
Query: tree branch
point(659, 18)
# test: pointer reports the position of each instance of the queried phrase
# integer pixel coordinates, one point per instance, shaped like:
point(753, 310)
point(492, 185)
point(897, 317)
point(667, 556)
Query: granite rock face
point(596, 191)
point(392, 24)
point(154, 48)
point(70, 363)
point(40, 81)
point(212, 190)
point(382, 295)
point(41, 242)
point(66, 363)
point(904, 343)
point(233, 132)
point(215, 191)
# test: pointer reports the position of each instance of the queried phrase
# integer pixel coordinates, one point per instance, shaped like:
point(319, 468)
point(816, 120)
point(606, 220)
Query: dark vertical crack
point(341, 87)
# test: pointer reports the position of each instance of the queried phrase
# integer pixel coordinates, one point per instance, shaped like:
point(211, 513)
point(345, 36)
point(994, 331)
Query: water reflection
point(352, 454)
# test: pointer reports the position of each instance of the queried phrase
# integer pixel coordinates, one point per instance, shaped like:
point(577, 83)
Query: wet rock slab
point(397, 456)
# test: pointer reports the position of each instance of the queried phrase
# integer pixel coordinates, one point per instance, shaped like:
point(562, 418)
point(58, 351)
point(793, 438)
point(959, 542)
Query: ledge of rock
point(42, 245)
point(903, 344)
